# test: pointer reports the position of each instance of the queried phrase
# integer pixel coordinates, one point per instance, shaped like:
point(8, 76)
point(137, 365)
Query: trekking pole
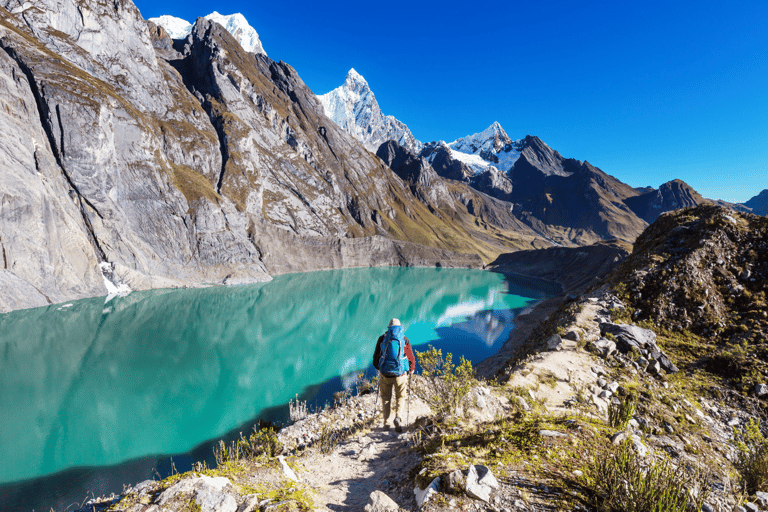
point(408, 417)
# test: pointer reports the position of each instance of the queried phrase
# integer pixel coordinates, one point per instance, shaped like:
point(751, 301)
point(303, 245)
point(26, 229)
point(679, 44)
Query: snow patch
point(111, 282)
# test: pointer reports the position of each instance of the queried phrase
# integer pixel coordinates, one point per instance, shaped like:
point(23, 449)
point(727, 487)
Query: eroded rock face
point(175, 166)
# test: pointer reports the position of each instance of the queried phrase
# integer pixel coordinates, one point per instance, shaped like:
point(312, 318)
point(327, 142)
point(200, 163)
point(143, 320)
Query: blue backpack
point(393, 361)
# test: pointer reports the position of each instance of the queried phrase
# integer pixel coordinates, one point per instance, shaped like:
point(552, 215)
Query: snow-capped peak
point(235, 24)
point(354, 108)
point(492, 138)
point(492, 145)
point(177, 28)
point(355, 80)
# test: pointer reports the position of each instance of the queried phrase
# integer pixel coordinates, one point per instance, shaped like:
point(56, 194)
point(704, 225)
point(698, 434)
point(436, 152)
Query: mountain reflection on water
point(92, 384)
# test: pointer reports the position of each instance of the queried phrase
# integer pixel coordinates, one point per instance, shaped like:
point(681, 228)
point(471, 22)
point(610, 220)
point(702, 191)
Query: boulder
point(604, 347)
point(630, 336)
point(380, 502)
point(574, 334)
point(761, 390)
point(554, 342)
point(480, 482)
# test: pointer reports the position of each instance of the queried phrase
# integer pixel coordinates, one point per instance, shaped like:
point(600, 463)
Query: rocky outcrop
point(420, 176)
point(691, 268)
point(439, 156)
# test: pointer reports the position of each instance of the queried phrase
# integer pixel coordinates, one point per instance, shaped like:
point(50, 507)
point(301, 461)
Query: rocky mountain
point(669, 196)
point(759, 203)
point(236, 24)
point(353, 106)
point(701, 269)
point(491, 148)
point(129, 160)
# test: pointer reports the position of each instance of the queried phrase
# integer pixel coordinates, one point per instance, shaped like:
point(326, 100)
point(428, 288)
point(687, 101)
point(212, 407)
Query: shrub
point(752, 457)
point(621, 410)
point(298, 410)
point(445, 385)
point(619, 482)
point(261, 442)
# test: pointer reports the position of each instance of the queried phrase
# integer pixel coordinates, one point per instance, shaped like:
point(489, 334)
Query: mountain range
point(131, 159)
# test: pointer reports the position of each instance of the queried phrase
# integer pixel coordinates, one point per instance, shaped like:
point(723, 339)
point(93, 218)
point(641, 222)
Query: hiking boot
point(386, 426)
point(398, 425)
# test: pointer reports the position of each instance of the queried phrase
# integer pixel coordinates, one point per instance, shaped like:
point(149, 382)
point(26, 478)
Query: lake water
point(95, 395)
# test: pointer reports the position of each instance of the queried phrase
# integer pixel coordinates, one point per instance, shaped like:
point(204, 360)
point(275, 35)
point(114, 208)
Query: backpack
point(393, 361)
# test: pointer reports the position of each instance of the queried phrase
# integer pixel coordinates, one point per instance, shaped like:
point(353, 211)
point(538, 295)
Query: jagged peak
point(355, 81)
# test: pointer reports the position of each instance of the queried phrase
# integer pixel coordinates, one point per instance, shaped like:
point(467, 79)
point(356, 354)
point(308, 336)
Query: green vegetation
point(621, 410)
point(262, 443)
point(445, 385)
point(752, 457)
point(618, 481)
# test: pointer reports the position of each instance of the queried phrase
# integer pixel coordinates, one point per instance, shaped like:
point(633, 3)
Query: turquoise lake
point(97, 394)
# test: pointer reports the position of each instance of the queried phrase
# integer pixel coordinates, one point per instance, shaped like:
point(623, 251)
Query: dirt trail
point(570, 366)
point(344, 479)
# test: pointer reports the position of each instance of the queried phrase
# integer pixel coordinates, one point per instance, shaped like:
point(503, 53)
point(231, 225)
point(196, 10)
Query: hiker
point(394, 359)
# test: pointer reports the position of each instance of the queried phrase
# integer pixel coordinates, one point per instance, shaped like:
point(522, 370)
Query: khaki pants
point(386, 384)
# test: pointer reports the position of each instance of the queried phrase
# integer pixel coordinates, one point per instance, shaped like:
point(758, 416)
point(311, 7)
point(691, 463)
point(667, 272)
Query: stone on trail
point(423, 495)
point(554, 342)
point(573, 334)
point(380, 502)
point(287, 471)
point(604, 347)
point(523, 403)
point(630, 336)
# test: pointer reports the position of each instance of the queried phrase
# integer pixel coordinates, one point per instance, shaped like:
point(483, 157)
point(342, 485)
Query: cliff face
point(159, 163)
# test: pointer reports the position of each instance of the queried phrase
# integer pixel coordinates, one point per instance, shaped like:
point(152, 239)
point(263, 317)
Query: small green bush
point(445, 385)
point(752, 457)
point(619, 482)
point(621, 410)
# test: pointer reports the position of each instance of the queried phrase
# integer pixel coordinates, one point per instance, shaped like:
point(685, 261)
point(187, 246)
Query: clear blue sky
point(647, 91)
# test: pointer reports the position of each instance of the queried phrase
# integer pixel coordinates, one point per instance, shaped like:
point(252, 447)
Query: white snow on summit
point(236, 24)
point(177, 28)
point(354, 108)
point(492, 145)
